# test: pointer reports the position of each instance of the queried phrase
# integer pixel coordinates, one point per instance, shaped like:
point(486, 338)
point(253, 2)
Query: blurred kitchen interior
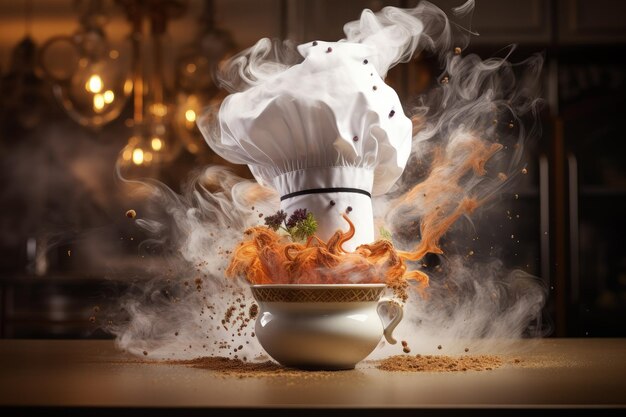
point(65, 238)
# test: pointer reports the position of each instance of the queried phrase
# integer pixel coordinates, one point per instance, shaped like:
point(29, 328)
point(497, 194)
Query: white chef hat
point(326, 133)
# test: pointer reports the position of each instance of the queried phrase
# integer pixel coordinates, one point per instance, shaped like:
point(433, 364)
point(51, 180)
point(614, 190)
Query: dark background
point(66, 246)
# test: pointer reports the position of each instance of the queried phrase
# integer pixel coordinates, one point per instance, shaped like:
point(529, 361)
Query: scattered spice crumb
point(253, 312)
point(145, 353)
point(131, 214)
point(467, 349)
point(439, 347)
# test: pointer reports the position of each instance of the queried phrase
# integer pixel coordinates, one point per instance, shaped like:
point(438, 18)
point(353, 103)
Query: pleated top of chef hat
point(326, 133)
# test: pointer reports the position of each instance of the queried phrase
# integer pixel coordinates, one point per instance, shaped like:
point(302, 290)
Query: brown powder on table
point(439, 363)
point(238, 368)
point(243, 369)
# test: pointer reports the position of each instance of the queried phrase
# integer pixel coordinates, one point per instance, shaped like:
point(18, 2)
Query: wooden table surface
point(93, 375)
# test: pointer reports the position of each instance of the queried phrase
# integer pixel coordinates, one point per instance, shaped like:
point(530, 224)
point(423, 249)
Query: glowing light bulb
point(94, 84)
point(190, 115)
point(147, 157)
point(127, 154)
point(157, 144)
point(98, 102)
point(109, 96)
point(191, 68)
point(138, 156)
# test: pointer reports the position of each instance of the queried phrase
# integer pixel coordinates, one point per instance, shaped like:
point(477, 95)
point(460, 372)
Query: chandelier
point(92, 81)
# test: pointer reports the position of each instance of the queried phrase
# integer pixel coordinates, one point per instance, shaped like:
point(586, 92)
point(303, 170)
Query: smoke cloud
point(468, 147)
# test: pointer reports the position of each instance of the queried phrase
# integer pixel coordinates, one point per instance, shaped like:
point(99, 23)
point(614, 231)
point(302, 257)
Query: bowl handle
point(395, 311)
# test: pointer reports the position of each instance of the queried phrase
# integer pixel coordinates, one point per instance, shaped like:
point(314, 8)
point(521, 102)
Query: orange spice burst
point(266, 257)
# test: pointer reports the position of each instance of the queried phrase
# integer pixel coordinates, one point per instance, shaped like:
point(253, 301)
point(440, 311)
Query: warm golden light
point(94, 84)
point(109, 97)
point(190, 115)
point(147, 157)
point(127, 154)
point(157, 144)
point(191, 68)
point(159, 109)
point(113, 54)
point(137, 156)
point(98, 102)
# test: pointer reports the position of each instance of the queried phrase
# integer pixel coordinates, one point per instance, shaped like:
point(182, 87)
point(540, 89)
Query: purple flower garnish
point(297, 216)
point(276, 220)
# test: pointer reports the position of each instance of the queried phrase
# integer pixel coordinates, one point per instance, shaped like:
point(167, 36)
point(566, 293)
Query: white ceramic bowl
point(323, 326)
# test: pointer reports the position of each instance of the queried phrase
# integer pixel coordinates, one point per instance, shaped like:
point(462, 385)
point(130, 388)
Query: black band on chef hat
point(326, 190)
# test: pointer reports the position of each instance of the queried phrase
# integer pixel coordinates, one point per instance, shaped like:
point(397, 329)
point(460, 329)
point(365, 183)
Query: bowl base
point(320, 367)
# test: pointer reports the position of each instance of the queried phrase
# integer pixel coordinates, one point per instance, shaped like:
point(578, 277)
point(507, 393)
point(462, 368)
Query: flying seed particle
point(131, 214)
point(457, 51)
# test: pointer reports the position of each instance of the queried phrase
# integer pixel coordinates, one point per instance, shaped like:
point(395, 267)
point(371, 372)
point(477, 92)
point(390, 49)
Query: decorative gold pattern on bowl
point(317, 295)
